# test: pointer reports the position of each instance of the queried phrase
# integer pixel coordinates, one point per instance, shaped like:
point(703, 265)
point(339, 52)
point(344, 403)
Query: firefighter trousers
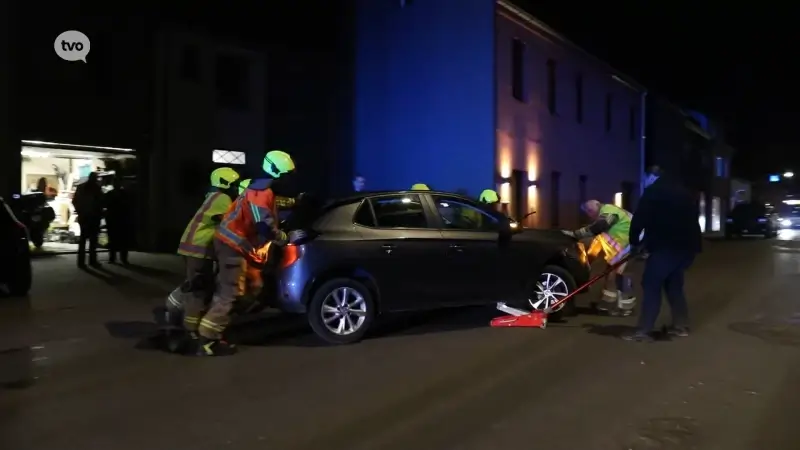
point(192, 296)
point(230, 272)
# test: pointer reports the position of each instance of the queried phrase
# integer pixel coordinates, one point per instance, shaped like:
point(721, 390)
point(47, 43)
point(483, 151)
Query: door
point(401, 251)
point(476, 259)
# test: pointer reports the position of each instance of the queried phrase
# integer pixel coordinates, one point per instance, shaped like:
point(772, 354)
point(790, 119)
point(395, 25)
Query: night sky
point(727, 59)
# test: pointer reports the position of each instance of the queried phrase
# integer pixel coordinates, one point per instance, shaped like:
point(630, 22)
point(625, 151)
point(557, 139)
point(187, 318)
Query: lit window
point(720, 167)
point(618, 199)
point(228, 157)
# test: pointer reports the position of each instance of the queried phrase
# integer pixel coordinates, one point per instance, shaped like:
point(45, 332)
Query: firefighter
point(610, 228)
point(186, 303)
point(420, 187)
point(489, 197)
point(248, 226)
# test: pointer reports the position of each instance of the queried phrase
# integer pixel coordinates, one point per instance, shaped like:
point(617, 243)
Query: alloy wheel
point(344, 311)
point(549, 289)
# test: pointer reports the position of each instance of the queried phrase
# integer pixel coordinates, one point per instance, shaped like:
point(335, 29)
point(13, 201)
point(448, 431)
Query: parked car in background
point(751, 219)
point(15, 256)
point(789, 217)
point(380, 252)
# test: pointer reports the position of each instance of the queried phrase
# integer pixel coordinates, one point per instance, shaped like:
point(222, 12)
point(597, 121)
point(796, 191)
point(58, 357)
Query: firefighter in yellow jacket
point(196, 247)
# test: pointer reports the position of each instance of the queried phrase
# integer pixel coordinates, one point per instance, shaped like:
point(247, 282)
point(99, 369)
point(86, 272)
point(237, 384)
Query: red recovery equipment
point(538, 319)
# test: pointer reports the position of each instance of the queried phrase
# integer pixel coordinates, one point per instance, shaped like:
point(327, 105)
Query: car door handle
point(388, 248)
point(456, 248)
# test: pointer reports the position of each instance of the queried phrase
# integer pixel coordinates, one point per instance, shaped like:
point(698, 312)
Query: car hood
point(553, 237)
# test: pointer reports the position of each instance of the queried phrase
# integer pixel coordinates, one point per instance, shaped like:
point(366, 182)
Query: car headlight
point(786, 223)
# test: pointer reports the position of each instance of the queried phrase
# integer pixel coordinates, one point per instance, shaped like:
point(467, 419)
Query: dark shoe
point(214, 347)
point(678, 331)
point(183, 342)
point(638, 336)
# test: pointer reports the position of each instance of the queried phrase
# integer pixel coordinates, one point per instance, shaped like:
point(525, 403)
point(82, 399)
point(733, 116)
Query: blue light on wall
point(774, 178)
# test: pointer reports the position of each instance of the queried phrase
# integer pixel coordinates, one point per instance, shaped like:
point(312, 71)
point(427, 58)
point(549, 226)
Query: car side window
point(459, 215)
point(399, 211)
point(364, 215)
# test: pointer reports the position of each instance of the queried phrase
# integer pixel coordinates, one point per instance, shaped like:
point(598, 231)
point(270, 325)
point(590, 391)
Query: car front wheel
point(554, 284)
point(341, 311)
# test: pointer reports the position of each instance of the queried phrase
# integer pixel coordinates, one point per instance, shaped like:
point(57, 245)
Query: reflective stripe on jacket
point(198, 237)
point(253, 210)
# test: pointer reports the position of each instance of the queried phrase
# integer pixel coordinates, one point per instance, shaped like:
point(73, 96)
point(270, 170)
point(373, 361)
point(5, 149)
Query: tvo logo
point(72, 46)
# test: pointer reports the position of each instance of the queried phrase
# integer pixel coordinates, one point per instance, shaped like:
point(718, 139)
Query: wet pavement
point(76, 372)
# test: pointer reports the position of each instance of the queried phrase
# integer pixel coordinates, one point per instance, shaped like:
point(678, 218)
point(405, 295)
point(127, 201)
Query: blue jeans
point(664, 271)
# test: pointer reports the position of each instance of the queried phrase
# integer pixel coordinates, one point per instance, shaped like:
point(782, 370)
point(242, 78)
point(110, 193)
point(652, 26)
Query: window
point(232, 82)
point(518, 70)
point(364, 216)
point(579, 98)
point(551, 86)
point(555, 194)
point(716, 209)
point(632, 123)
point(190, 63)
point(228, 157)
point(399, 211)
point(609, 110)
point(459, 215)
point(720, 167)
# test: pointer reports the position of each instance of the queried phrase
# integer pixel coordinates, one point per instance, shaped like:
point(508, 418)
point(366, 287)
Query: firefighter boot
point(625, 304)
point(214, 347)
point(182, 342)
point(607, 302)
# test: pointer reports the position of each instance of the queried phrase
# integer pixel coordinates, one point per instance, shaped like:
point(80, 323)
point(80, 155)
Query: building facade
point(488, 97)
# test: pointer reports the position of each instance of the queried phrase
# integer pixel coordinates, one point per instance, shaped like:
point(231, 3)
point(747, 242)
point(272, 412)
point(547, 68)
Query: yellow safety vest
point(198, 237)
point(615, 242)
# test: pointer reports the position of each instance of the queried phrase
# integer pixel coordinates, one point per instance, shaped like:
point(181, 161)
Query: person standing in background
point(119, 222)
point(667, 213)
point(359, 182)
point(88, 203)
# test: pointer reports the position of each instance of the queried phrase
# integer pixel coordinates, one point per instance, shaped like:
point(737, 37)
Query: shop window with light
point(618, 199)
point(716, 209)
point(701, 218)
point(228, 157)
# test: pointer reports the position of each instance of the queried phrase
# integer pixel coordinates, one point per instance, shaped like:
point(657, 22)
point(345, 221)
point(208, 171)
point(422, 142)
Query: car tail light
point(290, 255)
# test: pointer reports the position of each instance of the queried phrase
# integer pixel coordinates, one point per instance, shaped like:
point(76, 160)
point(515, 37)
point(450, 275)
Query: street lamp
point(788, 174)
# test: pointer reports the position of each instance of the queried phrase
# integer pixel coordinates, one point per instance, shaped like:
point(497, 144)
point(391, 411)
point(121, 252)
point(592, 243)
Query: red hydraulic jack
point(538, 319)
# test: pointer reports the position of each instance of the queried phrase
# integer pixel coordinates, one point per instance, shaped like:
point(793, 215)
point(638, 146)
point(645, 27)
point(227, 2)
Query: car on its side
point(751, 218)
point(15, 254)
point(382, 252)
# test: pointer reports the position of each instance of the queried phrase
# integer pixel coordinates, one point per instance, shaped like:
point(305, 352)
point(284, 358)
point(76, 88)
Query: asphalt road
point(76, 373)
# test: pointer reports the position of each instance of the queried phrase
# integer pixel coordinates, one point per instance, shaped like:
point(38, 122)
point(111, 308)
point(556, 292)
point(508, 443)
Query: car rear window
point(749, 210)
point(304, 214)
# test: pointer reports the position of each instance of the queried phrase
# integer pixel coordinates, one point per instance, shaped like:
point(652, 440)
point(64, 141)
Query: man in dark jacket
point(119, 222)
point(667, 213)
point(88, 203)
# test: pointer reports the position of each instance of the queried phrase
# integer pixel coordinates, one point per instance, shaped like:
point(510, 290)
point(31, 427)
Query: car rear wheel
point(554, 283)
point(341, 311)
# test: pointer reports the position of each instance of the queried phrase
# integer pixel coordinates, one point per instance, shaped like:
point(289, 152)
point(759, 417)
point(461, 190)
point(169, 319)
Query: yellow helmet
point(243, 185)
point(224, 177)
point(489, 196)
point(277, 163)
point(420, 187)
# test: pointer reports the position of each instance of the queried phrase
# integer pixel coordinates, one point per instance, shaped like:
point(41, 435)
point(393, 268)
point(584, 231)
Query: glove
point(281, 238)
point(296, 235)
point(568, 233)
